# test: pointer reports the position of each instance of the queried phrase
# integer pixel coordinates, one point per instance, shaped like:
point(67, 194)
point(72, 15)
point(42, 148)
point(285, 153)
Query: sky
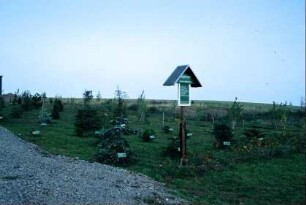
point(250, 49)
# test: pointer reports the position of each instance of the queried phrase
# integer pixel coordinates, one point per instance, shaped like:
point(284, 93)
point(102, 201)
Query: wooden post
point(183, 139)
point(163, 119)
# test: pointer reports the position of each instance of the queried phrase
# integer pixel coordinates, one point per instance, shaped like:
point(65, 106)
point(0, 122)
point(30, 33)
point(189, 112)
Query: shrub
point(148, 135)
point(253, 133)
point(166, 128)
point(109, 147)
point(120, 107)
point(26, 101)
point(133, 107)
point(16, 111)
point(86, 120)
point(19, 101)
point(87, 96)
point(45, 118)
point(222, 133)
point(57, 108)
point(172, 149)
point(153, 110)
point(15, 98)
point(36, 100)
point(59, 104)
point(55, 111)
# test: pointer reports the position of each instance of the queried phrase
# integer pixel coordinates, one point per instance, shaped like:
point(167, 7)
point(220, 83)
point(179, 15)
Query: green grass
point(275, 180)
point(57, 138)
point(280, 181)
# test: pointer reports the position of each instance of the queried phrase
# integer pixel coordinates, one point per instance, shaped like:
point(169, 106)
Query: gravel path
point(30, 176)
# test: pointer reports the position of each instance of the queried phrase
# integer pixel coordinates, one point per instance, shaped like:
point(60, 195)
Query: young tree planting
point(235, 113)
point(87, 97)
point(120, 109)
point(98, 97)
point(142, 107)
point(57, 108)
point(87, 120)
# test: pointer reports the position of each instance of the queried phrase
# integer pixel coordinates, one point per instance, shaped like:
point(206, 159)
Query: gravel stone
point(29, 175)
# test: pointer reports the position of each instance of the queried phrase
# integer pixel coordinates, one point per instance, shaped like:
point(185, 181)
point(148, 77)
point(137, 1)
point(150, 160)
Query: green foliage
point(36, 100)
point(148, 135)
point(45, 118)
point(142, 107)
point(16, 111)
point(252, 171)
point(120, 108)
point(235, 112)
point(26, 102)
point(19, 101)
point(57, 108)
point(222, 133)
point(279, 115)
point(133, 107)
point(59, 104)
point(87, 97)
point(15, 99)
point(86, 121)
point(55, 111)
point(269, 146)
point(172, 150)
point(109, 147)
point(153, 110)
point(98, 97)
point(166, 129)
point(254, 132)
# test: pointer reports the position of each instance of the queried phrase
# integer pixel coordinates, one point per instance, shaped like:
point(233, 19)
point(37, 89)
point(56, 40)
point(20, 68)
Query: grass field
point(228, 177)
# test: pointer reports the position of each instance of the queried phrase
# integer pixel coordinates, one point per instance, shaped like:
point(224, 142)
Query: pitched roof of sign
point(178, 72)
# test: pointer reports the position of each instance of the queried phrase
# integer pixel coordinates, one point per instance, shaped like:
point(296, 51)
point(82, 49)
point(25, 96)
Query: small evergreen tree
point(59, 104)
point(148, 135)
point(142, 106)
point(109, 148)
point(222, 133)
point(98, 97)
point(235, 113)
point(36, 100)
point(279, 115)
point(87, 121)
point(55, 111)
point(120, 109)
point(16, 111)
point(15, 99)
point(87, 97)
point(57, 108)
point(26, 101)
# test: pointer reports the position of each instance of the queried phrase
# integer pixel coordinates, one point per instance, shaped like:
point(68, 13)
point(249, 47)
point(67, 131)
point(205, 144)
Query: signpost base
point(183, 132)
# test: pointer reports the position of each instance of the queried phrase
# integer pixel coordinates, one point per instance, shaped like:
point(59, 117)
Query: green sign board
point(184, 99)
point(185, 79)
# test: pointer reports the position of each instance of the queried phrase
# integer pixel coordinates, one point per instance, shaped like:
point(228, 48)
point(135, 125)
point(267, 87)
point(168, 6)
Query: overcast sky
point(250, 49)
